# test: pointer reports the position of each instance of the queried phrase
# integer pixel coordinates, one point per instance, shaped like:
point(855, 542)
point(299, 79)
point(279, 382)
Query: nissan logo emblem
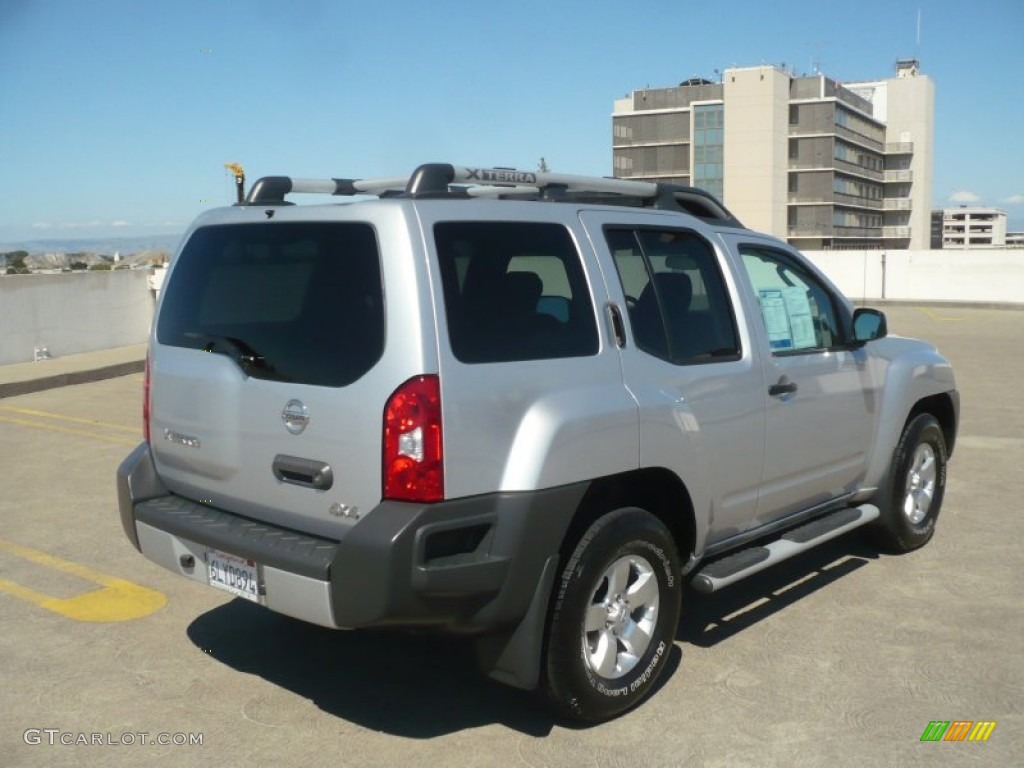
point(295, 416)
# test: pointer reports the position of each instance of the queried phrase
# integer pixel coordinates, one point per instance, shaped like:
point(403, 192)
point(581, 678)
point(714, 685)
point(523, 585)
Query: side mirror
point(868, 325)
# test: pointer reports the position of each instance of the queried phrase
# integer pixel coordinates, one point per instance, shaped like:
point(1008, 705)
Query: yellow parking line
point(48, 415)
point(940, 318)
point(115, 600)
point(70, 431)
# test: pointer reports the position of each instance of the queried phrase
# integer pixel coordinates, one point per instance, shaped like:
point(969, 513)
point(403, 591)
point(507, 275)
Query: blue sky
point(116, 117)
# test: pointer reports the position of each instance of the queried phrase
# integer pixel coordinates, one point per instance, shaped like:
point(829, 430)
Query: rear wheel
point(614, 616)
point(917, 481)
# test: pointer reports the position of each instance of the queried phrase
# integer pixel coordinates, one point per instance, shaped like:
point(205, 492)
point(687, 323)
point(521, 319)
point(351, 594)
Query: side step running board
point(747, 562)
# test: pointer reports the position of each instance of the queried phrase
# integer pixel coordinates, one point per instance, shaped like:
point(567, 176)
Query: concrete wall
point(73, 312)
point(987, 276)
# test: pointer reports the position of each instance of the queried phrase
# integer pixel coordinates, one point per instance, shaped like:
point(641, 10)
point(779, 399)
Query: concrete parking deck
point(840, 657)
point(22, 378)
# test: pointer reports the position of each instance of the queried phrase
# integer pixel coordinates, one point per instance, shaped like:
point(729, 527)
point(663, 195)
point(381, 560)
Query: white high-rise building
point(822, 164)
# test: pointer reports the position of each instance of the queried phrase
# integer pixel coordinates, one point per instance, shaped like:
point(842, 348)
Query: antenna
point(919, 31)
point(816, 60)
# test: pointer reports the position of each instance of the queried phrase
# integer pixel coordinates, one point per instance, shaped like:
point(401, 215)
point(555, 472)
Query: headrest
point(522, 290)
point(676, 289)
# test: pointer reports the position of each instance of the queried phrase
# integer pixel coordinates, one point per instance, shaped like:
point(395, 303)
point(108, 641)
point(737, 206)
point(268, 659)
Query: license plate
point(233, 574)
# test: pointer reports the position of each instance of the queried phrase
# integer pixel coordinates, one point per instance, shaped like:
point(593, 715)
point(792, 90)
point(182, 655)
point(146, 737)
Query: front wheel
point(917, 481)
point(614, 616)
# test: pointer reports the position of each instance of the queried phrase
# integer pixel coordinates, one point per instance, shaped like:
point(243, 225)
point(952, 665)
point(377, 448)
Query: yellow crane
point(239, 172)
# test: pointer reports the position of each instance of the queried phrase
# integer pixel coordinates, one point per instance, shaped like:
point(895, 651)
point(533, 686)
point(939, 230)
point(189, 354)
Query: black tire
point(911, 501)
point(632, 550)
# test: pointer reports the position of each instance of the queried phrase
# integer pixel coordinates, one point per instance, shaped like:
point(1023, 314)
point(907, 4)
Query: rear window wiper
point(241, 351)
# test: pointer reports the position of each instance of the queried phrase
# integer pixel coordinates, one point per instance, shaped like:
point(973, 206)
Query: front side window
point(678, 305)
point(514, 291)
point(798, 311)
point(292, 301)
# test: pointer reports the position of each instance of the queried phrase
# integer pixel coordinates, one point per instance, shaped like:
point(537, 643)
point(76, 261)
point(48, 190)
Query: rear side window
point(297, 302)
point(678, 304)
point(514, 291)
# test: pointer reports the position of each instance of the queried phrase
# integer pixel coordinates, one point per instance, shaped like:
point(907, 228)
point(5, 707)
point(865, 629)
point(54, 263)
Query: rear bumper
point(467, 565)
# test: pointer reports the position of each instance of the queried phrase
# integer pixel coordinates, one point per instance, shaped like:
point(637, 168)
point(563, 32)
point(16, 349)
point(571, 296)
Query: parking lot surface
point(840, 657)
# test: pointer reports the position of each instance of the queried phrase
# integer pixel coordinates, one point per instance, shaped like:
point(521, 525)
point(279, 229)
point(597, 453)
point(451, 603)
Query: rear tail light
point(145, 401)
point(413, 446)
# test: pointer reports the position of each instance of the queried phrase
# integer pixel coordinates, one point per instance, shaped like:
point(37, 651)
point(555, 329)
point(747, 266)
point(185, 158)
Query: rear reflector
point(413, 466)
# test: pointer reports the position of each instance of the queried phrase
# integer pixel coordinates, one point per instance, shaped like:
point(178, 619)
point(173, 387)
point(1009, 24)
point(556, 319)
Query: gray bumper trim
point(469, 565)
point(277, 547)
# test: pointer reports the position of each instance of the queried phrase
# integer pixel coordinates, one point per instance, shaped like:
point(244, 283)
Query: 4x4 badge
point(295, 416)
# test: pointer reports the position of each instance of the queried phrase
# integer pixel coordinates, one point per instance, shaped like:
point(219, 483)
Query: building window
point(856, 156)
point(842, 217)
point(859, 125)
point(709, 148)
point(672, 127)
point(844, 185)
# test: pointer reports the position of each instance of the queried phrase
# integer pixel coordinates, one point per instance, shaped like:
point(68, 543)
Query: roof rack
point(444, 180)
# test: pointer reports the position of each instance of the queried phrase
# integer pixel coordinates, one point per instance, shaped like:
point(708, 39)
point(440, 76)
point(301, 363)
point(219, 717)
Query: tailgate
point(263, 391)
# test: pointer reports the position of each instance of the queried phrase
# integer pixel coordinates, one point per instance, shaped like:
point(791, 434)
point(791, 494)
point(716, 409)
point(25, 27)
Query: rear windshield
point(291, 302)
point(514, 291)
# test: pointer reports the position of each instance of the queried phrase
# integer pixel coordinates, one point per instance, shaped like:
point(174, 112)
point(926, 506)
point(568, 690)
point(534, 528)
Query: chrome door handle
point(617, 328)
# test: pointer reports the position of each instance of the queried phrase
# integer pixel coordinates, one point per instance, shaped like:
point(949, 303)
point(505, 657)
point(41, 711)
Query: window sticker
point(801, 322)
point(788, 318)
point(773, 308)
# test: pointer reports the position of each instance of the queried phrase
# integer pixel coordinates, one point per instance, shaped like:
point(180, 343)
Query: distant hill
point(62, 254)
point(108, 246)
point(60, 260)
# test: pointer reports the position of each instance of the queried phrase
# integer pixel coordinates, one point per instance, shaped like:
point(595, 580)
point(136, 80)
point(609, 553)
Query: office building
point(820, 163)
point(969, 227)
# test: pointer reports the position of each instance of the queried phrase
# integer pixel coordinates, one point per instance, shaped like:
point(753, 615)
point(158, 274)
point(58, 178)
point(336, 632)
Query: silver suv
point(526, 407)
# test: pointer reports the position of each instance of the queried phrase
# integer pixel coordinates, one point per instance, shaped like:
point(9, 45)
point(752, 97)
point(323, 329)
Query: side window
point(514, 291)
point(678, 305)
point(798, 311)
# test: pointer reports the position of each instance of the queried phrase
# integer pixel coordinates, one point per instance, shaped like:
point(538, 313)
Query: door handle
point(783, 387)
point(615, 320)
point(304, 472)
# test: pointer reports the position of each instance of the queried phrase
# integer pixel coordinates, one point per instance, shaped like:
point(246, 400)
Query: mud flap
point(513, 658)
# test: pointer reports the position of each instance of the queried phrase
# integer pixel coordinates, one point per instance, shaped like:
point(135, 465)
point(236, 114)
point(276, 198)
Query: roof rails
point(444, 180)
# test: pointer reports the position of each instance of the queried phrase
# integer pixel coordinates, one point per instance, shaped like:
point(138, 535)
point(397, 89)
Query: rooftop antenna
point(816, 60)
